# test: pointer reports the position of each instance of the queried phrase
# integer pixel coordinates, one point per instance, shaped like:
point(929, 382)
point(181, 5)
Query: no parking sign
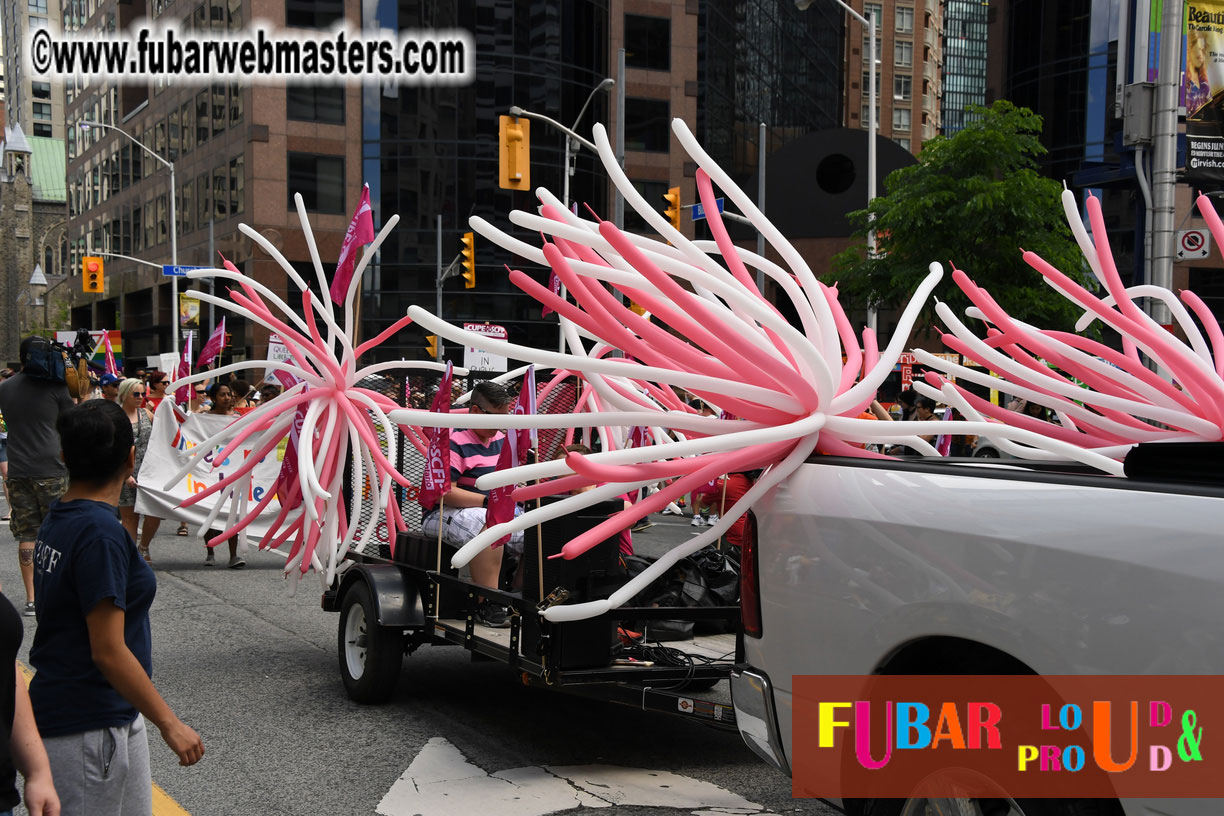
point(1195, 243)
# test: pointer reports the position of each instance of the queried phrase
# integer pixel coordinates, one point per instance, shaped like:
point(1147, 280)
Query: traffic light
point(92, 275)
point(431, 345)
point(469, 260)
point(514, 153)
point(673, 206)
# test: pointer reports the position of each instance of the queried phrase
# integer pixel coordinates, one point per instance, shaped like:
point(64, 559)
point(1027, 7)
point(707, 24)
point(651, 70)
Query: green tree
point(974, 198)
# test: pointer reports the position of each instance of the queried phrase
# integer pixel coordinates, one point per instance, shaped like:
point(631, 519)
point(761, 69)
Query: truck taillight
point(750, 585)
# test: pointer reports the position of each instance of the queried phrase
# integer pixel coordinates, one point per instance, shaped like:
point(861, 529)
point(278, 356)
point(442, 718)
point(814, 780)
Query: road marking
point(441, 781)
point(163, 804)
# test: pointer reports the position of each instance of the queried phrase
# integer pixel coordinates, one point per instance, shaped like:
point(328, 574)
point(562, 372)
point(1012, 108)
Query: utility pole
point(1164, 171)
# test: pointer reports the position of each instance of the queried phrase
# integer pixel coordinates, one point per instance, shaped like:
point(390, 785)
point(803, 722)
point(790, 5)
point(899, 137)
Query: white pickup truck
point(923, 567)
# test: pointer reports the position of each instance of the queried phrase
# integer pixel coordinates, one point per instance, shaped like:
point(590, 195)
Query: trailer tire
point(371, 655)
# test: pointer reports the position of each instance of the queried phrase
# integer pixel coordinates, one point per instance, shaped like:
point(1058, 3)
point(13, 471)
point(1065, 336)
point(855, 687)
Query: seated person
point(473, 453)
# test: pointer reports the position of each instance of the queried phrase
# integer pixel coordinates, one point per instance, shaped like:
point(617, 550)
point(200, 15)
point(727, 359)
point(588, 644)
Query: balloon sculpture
point(325, 415)
point(702, 324)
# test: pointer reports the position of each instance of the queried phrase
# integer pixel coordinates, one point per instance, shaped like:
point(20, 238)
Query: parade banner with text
point(167, 448)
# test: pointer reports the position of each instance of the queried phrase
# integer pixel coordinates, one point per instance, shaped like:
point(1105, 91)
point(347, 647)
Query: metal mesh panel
point(419, 394)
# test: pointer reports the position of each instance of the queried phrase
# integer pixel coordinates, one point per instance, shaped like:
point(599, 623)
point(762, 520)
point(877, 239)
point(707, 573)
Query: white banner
point(166, 454)
point(476, 359)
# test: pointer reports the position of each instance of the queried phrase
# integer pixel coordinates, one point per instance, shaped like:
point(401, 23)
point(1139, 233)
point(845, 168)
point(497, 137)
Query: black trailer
point(394, 603)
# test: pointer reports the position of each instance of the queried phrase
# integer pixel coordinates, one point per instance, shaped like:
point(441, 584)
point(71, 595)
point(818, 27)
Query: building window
point(905, 20)
point(204, 199)
point(313, 13)
point(901, 119)
point(38, 6)
point(203, 118)
point(235, 107)
point(189, 127)
point(218, 109)
point(37, 22)
point(867, 113)
point(221, 192)
point(188, 216)
point(903, 87)
point(878, 10)
point(903, 53)
point(646, 125)
point(307, 103)
point(43, 129)
point(237, 182)
point(320, 180)
point(42, 110)
point(867, 83)
point(41, 90)
point(905, 143)
point(647, 42)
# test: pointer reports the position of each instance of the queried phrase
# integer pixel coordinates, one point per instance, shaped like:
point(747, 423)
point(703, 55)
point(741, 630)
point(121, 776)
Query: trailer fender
point(397, 599)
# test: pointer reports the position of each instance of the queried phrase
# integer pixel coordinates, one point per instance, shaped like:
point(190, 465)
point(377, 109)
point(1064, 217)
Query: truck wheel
point(370, 655)
point(988, 807)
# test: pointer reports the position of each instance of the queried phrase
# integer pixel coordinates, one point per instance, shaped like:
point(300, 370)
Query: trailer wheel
point(370, 655)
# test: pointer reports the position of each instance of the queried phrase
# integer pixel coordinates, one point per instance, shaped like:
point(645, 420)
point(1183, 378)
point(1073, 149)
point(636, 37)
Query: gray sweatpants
point(103, 772)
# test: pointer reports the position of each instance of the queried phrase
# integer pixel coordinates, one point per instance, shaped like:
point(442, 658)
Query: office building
point(37, 105)
point(964, 51)
point(909, 70)
point(239, 152)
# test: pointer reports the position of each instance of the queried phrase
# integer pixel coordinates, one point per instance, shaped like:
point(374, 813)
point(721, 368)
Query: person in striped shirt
point(473, 453)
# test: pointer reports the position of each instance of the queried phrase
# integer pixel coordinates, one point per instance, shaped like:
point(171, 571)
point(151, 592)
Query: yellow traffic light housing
point(431, 345)
point(673, 206)
point(514, 153)
point(469, 260)
point(92, 275)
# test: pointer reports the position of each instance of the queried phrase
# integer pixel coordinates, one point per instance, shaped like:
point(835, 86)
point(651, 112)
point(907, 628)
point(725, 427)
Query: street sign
point(1195, 243)
point(179, 271)
point(475, 359)
point(699, 211)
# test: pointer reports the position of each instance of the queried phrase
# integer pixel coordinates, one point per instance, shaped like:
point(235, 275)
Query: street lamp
point(572, 139)
point(870, 23)
point(571, 149)
point(86, 125)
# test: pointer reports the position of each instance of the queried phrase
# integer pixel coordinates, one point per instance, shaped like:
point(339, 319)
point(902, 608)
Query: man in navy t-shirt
point(92, 649)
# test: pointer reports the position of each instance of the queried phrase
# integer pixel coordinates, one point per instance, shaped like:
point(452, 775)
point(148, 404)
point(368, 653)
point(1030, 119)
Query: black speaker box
point(591, 576)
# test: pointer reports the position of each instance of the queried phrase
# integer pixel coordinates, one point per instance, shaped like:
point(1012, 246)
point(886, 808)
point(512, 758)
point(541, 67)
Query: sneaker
point(712, 520)
point(210, 559)
point(492, 615)
point(237, 562)
point(673, 510)
point(29, 610)
point(697, 521)
point(642, 526)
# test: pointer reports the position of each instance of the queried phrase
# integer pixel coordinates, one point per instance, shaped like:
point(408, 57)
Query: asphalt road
point(255, 672)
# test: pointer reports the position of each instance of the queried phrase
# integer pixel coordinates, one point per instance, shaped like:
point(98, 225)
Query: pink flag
point(554, 283)
point(111, 366)
point(216, 342)
point(943, 443)
point(435, 482)
point(513, 453)
point(182, 394)
point(360, 232)
point(289, 466)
